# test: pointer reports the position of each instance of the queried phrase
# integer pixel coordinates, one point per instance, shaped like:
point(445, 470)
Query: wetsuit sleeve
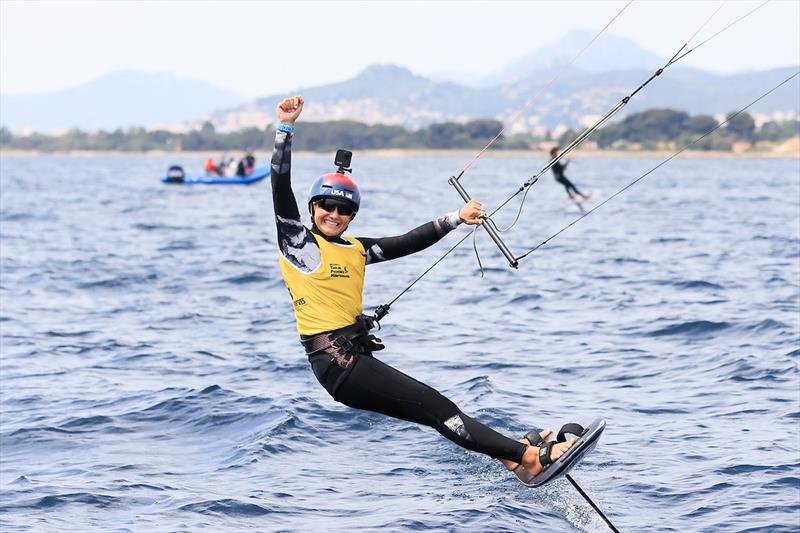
point(295, 241)
point(387, 248)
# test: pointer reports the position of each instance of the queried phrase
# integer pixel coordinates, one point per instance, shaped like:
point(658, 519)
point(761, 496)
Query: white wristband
point(454, 218)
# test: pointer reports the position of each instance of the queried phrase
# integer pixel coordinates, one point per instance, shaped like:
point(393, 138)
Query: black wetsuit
point(558, 172)
point(354, 376)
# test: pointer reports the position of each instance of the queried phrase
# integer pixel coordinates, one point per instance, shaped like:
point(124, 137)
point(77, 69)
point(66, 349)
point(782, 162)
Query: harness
point(344, 344)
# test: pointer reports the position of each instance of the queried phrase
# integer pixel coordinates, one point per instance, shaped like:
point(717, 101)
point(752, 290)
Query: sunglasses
point(330, 204)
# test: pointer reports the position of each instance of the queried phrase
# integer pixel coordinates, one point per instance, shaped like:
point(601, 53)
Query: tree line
point(656, 127)
point(648, 129)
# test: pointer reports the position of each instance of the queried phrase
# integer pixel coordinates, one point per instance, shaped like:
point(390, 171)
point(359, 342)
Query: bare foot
point(530, 459)
point(511, 465)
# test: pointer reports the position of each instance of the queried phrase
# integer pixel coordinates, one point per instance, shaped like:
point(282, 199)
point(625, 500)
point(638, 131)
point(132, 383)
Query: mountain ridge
point(414, 101)
point(393, 94)
point(120, 99)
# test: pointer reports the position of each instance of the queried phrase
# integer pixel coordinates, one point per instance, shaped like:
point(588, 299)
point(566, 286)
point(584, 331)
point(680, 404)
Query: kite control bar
point(488, 227)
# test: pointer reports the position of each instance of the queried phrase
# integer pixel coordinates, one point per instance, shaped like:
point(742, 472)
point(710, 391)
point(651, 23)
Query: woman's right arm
point(281, 174)
point(295, 242)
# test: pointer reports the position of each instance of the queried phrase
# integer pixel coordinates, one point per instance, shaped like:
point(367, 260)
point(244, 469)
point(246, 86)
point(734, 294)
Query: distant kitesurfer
point(558, 172)
point(324, 272)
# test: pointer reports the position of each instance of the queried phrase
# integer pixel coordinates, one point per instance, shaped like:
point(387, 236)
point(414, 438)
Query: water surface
point(151, 377)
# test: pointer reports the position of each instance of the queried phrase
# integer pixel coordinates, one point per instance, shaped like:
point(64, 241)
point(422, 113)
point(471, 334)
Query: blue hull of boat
point(257, 175)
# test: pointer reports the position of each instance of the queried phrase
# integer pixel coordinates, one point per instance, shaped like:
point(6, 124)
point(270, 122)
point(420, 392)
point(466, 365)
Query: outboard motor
point(175, 174)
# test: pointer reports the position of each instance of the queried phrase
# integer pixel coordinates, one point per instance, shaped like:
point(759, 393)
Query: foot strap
point(534, 438)
point(572, 429)
point(544, 454)
point(586, 441)
point(546, 448)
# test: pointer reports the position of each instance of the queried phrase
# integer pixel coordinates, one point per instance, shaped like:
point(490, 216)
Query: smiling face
point(330, 222)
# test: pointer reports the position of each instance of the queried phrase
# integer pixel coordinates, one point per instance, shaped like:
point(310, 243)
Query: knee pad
point(456, 424)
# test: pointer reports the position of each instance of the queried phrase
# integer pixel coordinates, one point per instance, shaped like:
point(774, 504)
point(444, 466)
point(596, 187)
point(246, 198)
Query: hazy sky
point(258, 48)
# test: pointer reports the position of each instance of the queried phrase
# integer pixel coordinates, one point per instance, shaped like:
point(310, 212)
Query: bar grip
point(489, 229)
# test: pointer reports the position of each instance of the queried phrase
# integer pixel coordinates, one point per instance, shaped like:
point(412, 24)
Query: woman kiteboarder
point(324, 272)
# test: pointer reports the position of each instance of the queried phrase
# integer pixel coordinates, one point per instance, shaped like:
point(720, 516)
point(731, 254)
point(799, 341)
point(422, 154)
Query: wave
point(6, 216)
point(253, 277)
point(765, 326)
point(83, 333)
point(695, 284)
point(746, 372)
point(119, 282)
point(694, 328)
point(157, 227)
point(523, 298)
point(661, 240)
point(227, 507)
point(178, 245)
point(749, 469)
point(622, 260)
point(97, 500)
point(87, 422)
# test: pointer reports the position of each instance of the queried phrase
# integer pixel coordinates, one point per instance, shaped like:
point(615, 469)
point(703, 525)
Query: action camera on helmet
point(342, 160)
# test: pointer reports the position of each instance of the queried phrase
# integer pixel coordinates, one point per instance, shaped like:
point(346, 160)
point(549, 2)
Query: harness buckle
point(343, 351)
point(342, 344)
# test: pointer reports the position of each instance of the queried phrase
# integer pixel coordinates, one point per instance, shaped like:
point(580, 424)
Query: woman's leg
point(373, 385)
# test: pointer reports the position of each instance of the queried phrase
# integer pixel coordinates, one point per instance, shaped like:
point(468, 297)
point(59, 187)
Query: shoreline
point(464, 153)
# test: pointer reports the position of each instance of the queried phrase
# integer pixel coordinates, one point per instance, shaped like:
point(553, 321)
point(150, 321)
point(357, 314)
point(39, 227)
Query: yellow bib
point(330, 297)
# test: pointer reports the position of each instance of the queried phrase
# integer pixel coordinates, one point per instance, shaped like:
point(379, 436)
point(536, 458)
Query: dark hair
point(554, 150)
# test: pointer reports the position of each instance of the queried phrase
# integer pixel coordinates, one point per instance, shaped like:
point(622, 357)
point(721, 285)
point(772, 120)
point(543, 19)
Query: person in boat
point(211, 167)
point(246, 164)
point(249, 162)
point(324, 272)
point(230, 168)
point(558, 172)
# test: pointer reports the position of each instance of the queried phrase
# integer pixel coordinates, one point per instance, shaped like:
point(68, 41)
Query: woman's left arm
point(419, 238)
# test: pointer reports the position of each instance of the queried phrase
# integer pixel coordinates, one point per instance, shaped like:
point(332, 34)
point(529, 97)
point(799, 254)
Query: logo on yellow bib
point(339, 271)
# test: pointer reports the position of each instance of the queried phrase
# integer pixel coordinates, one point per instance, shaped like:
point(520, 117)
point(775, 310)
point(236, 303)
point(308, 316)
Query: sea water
point(151, 377)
